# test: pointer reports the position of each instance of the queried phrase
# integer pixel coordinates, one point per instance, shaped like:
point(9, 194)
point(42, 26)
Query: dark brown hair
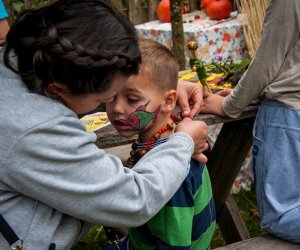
point(78, 43)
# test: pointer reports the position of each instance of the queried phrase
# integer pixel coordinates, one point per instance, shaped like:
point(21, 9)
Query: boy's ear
point(170, 101)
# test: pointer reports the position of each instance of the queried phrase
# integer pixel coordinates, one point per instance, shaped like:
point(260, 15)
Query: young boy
point(143, 106)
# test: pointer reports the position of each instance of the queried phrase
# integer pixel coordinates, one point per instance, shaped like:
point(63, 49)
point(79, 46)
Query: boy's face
point(136, 107)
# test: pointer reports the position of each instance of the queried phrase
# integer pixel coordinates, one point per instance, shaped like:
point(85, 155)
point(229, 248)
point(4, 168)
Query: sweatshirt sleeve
point(280, 32)
point(58, 164)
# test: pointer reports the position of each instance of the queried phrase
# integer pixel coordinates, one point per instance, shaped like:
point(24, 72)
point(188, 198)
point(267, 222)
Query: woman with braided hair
point(61, 61)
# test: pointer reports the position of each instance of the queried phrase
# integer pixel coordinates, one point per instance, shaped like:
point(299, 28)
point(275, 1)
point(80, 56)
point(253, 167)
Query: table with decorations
point(216, 38)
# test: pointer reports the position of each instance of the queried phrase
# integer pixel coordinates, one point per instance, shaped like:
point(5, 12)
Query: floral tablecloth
point(215, 38)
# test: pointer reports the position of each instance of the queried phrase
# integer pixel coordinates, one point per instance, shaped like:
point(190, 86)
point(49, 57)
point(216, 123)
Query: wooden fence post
point(152, 5)
point(137, 12)
point(177, 33)
point(193, 4)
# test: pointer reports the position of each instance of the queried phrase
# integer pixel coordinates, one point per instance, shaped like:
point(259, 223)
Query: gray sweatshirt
point(54, 181)
point(274, 72)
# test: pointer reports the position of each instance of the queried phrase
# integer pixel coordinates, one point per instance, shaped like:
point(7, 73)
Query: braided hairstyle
point(79, 43)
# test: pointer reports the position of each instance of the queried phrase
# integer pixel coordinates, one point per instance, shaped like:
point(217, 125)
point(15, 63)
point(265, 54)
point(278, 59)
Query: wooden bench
point(224, 162)
point(266, 242)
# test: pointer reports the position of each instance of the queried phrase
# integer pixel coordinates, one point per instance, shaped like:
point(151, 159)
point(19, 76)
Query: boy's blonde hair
point(159, 64)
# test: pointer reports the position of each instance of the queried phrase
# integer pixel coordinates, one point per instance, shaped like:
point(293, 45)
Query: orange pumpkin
point(163, 11)
point(205, 3)
point(219, 9)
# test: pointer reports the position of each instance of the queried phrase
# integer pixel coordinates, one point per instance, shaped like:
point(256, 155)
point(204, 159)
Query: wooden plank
point(122, 152)
point(108, 136)
point(211, 119)
point(224, 162)
point(232, 223)
point(266, 242)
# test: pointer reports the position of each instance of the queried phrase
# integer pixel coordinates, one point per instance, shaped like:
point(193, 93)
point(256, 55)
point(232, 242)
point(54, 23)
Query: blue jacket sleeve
point(3, 12)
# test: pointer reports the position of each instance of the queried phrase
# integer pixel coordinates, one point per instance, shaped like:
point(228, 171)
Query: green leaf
point(241, 66)
point(201, 72)
point(39, 3)
point(199, 67)
point(17, 7)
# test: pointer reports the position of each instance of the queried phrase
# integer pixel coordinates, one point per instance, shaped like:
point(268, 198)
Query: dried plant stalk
point(254, 14)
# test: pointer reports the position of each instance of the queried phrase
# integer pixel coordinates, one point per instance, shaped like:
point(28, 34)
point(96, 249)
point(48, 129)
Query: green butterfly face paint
point(139, 119)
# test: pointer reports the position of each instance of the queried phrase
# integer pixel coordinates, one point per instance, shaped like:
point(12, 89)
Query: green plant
point(16, 6)
point(246, 202)
point(94, 240)
point(227, 66)
point(232, 70)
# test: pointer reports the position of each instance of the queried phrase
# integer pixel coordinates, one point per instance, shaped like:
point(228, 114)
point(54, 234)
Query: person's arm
point(58, 164)
point(280, 32)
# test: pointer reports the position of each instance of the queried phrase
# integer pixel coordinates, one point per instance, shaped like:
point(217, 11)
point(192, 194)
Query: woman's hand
point(213, 104)
point(198, 130)
point(224, 92)
point(190, 98)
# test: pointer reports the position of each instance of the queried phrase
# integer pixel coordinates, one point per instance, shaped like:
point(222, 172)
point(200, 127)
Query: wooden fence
point(138, 11)
point(141, 11)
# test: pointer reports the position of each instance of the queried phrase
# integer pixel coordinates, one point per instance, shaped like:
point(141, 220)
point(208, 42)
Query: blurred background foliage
point(14, 7)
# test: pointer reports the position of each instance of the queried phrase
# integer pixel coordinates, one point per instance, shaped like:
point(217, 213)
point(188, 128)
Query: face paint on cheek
point(139, 119)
